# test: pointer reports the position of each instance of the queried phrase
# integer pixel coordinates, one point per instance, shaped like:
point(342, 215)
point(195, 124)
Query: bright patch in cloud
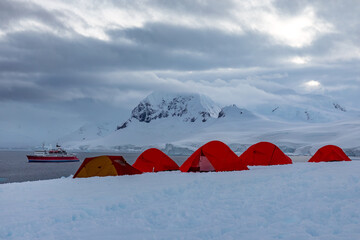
point(296, 31)
point(312, 86)
point(300, 60)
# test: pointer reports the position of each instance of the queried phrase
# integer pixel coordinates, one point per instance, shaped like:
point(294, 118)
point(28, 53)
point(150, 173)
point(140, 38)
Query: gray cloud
point(156, 47)
point(12, 12)
point(64, 64)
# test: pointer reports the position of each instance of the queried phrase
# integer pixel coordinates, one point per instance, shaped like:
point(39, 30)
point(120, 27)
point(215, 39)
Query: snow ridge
point(234, 111)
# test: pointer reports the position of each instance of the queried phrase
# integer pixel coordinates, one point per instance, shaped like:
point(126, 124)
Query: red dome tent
point(154, 160)
point(213, 156)
point(264, 153)
point(102, 166)
point(329, 153)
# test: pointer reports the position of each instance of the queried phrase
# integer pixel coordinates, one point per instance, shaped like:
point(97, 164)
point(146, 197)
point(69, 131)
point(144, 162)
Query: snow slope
point(300, 201)
point(293, 138)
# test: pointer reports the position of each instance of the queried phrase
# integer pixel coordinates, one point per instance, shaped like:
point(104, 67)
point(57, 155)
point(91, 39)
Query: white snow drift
point(300, 201)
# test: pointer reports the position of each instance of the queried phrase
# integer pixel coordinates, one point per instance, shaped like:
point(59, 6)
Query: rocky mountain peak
point(339, 107)
point(188, 107)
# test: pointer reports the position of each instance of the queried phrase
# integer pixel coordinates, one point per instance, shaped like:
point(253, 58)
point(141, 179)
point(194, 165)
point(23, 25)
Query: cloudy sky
point(63, 63)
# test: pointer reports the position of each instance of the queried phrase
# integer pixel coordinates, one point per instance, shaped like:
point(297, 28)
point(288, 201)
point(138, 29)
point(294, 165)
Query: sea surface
point(14, 166)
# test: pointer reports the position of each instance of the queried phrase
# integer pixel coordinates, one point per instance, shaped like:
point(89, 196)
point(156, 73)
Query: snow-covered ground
point(298, 201)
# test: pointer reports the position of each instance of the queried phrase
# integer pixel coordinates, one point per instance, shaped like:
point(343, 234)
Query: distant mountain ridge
point(193, 107)
point(198, 108)
point(178, 122)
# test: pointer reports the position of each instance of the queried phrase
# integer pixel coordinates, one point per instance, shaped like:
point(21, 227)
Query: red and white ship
point(54, 155)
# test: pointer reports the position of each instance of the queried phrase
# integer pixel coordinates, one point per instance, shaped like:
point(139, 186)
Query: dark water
point(14, 166)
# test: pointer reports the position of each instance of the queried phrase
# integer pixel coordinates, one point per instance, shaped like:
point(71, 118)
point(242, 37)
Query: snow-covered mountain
point(188, 107)
point(89, 131)
point(160, 118)
point(305, 108)
point(179, 123)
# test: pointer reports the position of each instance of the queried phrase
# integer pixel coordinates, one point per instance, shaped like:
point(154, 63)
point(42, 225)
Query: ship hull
point(32, 158)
